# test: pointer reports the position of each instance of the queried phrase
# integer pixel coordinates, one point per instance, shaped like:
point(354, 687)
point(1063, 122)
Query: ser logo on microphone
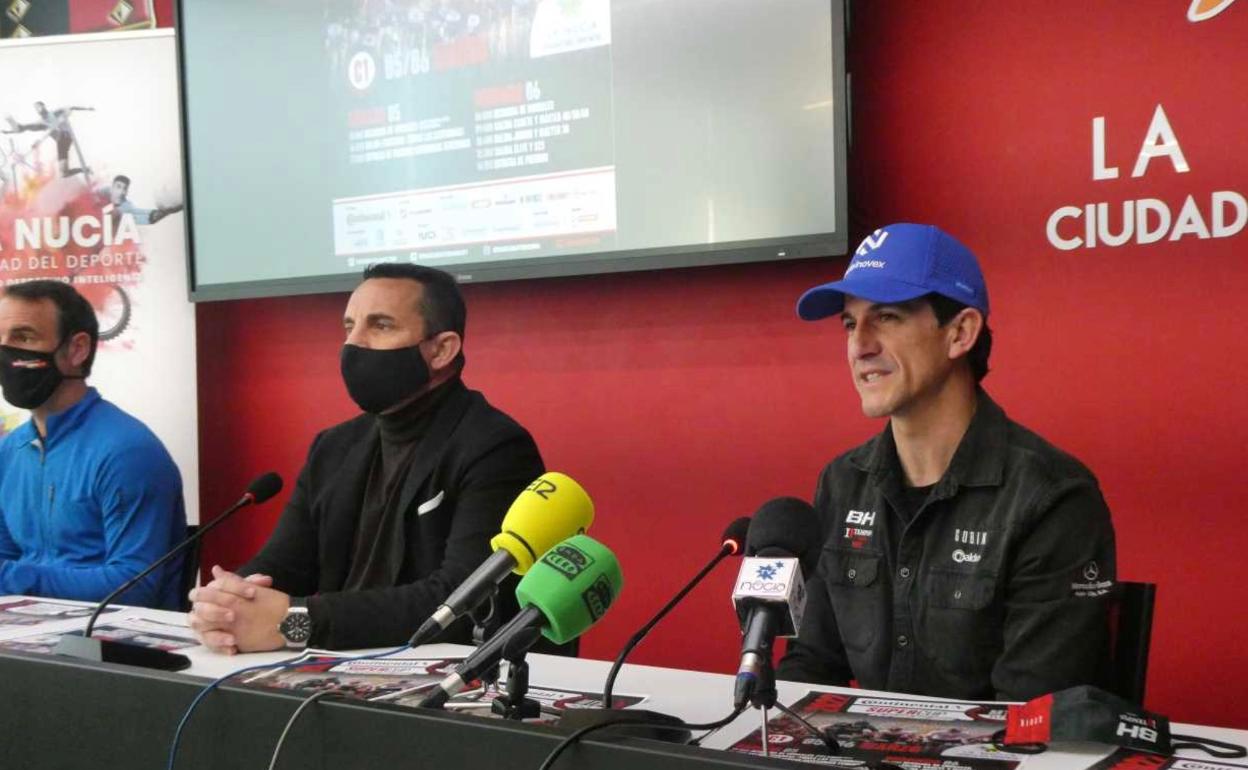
point(568, 561)
point(598, 597)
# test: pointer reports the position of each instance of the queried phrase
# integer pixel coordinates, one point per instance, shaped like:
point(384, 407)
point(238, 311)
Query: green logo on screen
point(567, 560)
point(598, 597)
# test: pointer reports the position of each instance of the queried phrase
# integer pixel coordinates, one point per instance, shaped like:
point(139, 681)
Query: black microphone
point(733, 544)
point(789, 524)
point(524, 627)
point(112, 651)
point(770, 593)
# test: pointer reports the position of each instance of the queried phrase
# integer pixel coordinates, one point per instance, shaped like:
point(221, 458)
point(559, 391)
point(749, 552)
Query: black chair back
point(190, 569)
point(1131, 632)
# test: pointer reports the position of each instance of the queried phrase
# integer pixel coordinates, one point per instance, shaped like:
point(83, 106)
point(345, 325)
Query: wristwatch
point(296, 627)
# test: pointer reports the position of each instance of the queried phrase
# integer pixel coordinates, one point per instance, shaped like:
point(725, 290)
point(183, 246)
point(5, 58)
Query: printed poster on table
point(36, 612)
point(143, 632)
point(908, 733)
point(406, 681)
point(91, 194)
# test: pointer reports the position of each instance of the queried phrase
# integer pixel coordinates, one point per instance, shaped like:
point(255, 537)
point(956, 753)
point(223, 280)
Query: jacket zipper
point(47, 514)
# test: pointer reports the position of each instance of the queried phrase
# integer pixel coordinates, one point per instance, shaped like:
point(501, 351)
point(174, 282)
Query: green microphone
point(569, 588)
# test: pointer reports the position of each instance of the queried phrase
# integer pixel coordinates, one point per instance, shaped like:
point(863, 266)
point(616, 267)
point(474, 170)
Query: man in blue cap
point(966, 557)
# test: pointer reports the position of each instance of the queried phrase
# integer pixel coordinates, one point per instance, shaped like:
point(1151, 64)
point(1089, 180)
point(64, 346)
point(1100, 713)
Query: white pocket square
point(430, 504)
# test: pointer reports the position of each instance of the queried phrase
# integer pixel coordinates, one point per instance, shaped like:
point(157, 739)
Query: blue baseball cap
point(899, 263)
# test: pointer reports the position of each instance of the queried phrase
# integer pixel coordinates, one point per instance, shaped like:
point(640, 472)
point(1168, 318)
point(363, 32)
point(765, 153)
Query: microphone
point(552, 508)
point(562, 595)
point(111, 651)
point(770, 593)
point(733, 544)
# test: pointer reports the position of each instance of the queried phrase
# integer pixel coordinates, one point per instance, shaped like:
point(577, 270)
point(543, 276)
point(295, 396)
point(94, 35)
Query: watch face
point(296, 627)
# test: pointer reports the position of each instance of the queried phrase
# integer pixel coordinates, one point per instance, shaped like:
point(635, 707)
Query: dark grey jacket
point(1000, 585)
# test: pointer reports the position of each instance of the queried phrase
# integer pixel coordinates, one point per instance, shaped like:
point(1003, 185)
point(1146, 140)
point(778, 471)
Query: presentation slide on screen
point(472, 130)
point(461, 133)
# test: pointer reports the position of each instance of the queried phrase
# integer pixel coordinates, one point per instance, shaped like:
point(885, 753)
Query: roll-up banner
point(91, 194)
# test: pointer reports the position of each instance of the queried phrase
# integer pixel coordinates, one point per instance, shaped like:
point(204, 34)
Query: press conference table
point(64, 713)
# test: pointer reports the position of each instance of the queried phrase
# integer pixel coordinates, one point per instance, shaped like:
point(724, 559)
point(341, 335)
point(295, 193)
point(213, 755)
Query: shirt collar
point(979, 459)
point(62, 423)
point(407, 425)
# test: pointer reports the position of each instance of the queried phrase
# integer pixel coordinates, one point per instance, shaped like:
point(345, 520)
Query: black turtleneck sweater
point(380, 538)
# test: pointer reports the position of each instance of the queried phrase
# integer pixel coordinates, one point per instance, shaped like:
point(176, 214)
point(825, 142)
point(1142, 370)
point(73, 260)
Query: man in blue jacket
point(88, 495)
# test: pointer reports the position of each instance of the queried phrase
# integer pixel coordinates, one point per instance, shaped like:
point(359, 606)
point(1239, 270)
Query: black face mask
point(1086, 713)
point(29, 377)
point(380, 379)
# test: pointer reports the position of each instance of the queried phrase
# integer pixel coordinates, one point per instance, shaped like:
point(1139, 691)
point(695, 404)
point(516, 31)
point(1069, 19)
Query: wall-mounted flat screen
point(502, 139)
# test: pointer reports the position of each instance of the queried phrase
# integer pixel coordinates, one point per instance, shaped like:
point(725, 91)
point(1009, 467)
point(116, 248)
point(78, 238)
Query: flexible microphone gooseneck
point(733, 545)
point(112, 651)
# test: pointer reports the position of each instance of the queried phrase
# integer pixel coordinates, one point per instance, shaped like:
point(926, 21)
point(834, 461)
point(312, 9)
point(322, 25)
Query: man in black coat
point(393, 509)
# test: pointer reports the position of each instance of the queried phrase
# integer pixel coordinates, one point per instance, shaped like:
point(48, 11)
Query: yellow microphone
point(550, 510)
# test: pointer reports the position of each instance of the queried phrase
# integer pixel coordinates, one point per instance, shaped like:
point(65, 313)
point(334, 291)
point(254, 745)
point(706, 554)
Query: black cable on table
point(630, 722)
point(291, 663)
point(281, 740)
point(833, 747)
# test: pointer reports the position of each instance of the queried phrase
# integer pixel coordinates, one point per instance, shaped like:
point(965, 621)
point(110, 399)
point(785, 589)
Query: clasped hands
point(233, 614)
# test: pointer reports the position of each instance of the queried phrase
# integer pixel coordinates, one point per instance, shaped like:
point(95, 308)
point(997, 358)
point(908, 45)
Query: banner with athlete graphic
point(91, 194)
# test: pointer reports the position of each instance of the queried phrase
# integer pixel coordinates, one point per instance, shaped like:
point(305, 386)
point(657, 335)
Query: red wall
point(683, 399)
point(164, 12)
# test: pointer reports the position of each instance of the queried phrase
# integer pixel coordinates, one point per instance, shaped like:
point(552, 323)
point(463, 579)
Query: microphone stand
point(665, 726)
point(484, 626)
point(755, 683)
point(515, 703)
point(636, 638)
point(86, 647)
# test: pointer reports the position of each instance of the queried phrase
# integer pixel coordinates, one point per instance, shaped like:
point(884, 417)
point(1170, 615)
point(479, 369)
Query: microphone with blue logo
point(564, 593)
point(770, 592)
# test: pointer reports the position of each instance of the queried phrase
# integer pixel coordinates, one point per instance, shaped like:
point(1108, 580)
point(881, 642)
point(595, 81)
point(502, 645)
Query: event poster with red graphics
point(908, 733)
point(91, 194)
point(406, 681)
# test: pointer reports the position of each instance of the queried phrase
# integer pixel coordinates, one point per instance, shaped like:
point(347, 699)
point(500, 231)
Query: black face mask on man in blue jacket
point(30, 377)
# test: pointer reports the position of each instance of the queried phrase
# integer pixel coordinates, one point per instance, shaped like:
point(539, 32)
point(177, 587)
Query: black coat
point(470, 466)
